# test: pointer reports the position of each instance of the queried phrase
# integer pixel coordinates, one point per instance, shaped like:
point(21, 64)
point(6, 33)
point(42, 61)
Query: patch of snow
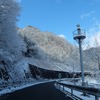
point(79, 94)
point(11, 89)
point(92, 83)
point(91, 80)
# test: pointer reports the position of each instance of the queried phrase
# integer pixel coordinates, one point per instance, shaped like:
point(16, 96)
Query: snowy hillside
point(45, 50)
point(56, 51)
point(47, 46)
point(51, 44)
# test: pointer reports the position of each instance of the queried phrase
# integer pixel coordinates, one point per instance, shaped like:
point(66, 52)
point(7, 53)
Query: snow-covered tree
point(9, 39)
point(11, 45)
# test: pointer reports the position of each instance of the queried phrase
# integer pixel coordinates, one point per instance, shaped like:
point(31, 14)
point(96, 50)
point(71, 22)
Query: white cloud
point(87, 14)
point(92, 35)
point(93, 38)
point(18, 0)
point(62, 36)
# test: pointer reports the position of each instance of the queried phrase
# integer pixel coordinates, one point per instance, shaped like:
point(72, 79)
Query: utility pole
point(73, 75)
point(79, 35)
point(99, 62)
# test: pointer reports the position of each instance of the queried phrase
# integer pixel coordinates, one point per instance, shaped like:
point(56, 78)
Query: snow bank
point(11, 89)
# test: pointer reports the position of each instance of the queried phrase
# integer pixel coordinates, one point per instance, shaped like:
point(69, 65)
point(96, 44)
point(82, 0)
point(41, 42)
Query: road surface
point(44, 91)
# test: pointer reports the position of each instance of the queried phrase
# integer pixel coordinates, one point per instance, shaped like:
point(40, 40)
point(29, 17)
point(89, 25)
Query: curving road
point(44, 91)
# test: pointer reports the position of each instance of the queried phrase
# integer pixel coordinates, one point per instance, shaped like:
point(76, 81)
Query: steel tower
point(79, 35)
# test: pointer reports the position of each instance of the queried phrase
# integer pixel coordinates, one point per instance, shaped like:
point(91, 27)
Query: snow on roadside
point(78, 93)
point(12, 89)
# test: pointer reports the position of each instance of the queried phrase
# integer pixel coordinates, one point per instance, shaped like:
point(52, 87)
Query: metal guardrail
point(87, 90)
point(68, 94)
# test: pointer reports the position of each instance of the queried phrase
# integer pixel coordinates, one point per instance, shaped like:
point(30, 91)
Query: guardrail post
point(96, 98)
point(71, 92)
point(63, 88)
point(59, 86)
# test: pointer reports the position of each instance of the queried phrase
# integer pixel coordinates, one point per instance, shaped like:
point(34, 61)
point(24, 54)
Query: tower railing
point(77, 35)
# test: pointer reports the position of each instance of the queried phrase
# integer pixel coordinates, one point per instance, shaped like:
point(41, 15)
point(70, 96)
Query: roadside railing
point(86, 90)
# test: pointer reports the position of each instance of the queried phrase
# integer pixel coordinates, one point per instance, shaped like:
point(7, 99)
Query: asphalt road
point(45, 91)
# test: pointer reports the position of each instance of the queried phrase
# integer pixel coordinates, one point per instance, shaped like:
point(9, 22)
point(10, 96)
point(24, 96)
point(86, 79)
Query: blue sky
point(62, 16)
